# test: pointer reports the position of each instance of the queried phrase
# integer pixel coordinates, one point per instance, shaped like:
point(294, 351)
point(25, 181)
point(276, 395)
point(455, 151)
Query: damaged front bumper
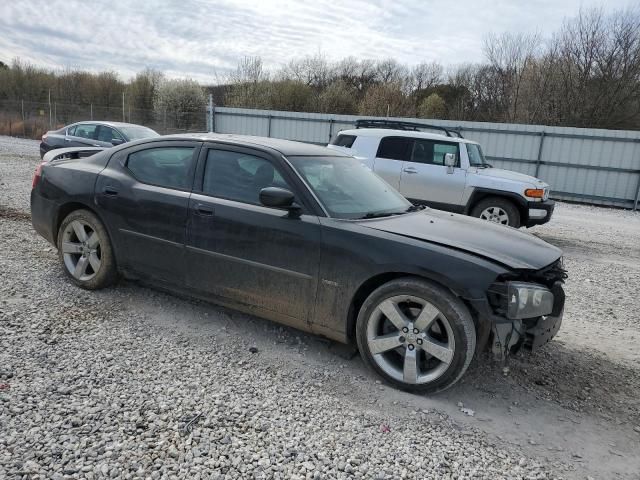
point(509, 335)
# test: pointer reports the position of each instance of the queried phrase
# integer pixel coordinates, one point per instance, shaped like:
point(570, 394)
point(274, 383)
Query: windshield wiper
point(379, 214)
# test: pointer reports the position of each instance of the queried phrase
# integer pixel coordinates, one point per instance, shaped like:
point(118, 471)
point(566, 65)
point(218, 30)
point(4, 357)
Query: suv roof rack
point(400, 125)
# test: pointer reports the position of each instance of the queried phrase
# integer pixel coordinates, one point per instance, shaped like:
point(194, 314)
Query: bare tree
point(509, 55)
point(425, 76)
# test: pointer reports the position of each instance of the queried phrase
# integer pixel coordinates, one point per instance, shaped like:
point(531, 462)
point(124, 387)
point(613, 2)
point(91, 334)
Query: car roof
point(110, 124)
point(285, 147)
point(387, 132)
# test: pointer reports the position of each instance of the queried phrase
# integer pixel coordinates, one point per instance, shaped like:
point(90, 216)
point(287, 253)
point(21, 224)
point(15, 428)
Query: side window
point(86, 130)
point(344, 140)
point(239, 176)
point(106, 134)
point(394, 148)
point(169, 167)
point(71, 130)
point(432, 152)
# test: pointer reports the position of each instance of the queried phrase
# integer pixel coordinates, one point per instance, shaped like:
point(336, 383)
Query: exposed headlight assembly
point(528, 300)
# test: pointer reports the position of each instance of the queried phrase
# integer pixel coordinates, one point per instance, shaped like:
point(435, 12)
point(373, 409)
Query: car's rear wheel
point(415, 334)
point(498, 210)
point(85, 251)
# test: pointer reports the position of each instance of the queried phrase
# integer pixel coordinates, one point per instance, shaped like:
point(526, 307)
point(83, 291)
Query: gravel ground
point(130, 382)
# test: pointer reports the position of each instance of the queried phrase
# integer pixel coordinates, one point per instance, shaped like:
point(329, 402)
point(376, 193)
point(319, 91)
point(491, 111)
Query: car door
point(392, 152)
point(425, 178)
point(83, 135)
point(242, 251)
point(143, 196)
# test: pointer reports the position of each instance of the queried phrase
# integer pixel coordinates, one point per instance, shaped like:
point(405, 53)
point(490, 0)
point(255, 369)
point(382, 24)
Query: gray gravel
point(93, 390)
point(133, 383)
point(18, 160)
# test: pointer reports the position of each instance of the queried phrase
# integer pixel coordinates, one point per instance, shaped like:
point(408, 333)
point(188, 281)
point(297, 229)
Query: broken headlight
point(528, 300)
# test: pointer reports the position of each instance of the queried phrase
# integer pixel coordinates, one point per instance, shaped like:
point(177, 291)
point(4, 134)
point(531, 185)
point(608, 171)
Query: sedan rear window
point(169, 167)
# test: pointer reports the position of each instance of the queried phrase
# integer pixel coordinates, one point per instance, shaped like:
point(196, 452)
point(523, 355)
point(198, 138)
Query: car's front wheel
point(415, 334)
point(85, 251)
point(497, 210)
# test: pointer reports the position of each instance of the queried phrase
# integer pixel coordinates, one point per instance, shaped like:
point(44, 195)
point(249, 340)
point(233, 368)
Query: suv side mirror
point(449, 161)
point(116, 141)
point(278, 198)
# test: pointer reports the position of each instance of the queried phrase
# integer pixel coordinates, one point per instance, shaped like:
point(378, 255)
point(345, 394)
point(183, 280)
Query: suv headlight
point(528, 300)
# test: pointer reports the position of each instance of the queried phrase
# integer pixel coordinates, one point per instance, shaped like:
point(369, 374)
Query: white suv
point(446, 172)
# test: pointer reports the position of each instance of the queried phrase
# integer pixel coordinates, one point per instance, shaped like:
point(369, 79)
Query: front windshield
point(476, 157)
point(136, 133)
point(348, 189)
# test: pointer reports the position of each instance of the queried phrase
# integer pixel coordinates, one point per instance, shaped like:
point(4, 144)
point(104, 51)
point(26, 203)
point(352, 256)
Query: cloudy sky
point(204, 39)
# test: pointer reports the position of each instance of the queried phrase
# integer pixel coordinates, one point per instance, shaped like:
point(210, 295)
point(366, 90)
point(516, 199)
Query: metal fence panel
point(585, 165)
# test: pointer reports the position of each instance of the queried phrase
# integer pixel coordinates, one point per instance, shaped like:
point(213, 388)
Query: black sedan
point(308, 237)
point(93, 134)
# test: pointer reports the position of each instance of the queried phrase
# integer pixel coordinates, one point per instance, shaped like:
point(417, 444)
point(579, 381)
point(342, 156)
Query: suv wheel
point(85, 251)
point(497, 210)
point(416, 335)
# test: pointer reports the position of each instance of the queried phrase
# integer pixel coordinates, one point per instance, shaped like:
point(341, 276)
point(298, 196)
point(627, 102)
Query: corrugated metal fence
point(584, 165)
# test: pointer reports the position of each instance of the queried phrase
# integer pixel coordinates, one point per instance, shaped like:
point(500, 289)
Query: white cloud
point(199, 38)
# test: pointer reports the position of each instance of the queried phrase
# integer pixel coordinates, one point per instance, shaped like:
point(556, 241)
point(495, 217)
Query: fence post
point(24, 128)
point(210, 114)
point(91, 111)
point(123, 118)
point(635, 203)
point(269, 126)
point(539, 153)
point(330, 129)
point(49, 108)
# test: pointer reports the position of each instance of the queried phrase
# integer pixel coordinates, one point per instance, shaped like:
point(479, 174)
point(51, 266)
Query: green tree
point(433, 107)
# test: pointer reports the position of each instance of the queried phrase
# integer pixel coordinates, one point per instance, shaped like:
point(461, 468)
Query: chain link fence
point(22, 118)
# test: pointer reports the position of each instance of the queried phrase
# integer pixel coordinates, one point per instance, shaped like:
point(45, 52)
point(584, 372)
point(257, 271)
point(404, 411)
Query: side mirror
point(449, 162)
point(278, 198)
point(116, 141)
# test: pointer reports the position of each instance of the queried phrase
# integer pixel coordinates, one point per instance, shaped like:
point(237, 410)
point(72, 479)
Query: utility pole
point(123, 106)
point(91, 111)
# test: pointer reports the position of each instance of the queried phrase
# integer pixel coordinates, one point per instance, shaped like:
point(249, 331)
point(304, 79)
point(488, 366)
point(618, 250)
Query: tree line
point(586, 75)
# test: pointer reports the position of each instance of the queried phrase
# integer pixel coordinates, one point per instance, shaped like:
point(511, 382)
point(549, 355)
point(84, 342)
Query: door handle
point(410, 170)
point(204, 210)
point(110, 190)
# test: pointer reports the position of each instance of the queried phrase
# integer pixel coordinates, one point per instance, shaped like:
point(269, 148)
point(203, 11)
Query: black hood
point(508, 246)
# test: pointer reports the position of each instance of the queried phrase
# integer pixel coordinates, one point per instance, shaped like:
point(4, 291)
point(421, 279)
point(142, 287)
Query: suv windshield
point(348, 189)
point(476, 157)
point(136, 133)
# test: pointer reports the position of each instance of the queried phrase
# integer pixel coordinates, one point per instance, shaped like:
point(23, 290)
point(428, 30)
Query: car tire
point(85, 251)
point(417, 335)
point(498, 210)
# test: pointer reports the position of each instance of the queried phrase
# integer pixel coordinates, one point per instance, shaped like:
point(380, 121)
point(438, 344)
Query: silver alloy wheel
point(81, 250)
point(496, 215)
point(410, 339)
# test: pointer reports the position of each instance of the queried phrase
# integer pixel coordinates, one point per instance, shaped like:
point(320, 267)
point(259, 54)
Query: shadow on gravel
point(14, 213)
point(579, 381)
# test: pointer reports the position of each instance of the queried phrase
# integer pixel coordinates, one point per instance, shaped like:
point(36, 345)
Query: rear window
point(169, 167)
point(344, 140)
point(394, 148)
